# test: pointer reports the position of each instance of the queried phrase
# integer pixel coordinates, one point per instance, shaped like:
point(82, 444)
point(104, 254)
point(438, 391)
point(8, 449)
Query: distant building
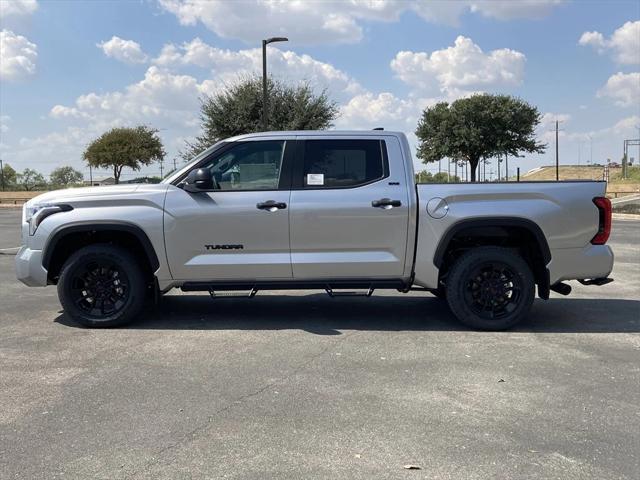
point(100, 181)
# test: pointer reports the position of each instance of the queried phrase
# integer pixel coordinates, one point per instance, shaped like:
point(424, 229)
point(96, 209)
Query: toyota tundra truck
point(338, 211)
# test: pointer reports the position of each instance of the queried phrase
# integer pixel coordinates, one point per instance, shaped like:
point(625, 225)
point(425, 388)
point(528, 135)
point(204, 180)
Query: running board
point(321, 284)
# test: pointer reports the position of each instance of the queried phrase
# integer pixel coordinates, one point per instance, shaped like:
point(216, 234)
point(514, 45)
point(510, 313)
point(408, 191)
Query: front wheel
point(101, 286)
point(490, 288)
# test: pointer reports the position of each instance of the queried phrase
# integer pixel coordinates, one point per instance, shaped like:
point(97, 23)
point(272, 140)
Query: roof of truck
point(319, 133)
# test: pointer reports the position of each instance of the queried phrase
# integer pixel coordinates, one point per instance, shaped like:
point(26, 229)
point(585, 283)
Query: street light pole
point(265, 114)
point(2, 174)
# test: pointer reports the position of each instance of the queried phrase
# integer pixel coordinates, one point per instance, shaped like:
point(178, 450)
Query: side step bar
point(365, 293)
point(233, 293)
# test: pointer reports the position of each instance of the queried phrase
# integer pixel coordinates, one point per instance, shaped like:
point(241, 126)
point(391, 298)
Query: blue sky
point(72, 69)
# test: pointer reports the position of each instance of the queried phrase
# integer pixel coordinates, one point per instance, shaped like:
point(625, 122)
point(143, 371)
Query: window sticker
point(315, 178)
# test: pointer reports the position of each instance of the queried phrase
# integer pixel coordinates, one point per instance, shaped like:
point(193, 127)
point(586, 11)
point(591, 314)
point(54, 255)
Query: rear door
point(349, 208)
point(239, 231)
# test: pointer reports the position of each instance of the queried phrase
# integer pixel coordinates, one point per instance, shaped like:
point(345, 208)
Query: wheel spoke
point(493, 290)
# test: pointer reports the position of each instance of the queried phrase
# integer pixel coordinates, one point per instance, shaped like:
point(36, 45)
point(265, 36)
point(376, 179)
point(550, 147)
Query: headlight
point(35, 214)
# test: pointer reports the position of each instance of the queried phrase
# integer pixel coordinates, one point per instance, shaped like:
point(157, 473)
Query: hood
point(86, 193)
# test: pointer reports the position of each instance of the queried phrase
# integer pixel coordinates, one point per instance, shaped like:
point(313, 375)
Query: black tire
point(101, 286)
point(490, 288)
point(440, 293)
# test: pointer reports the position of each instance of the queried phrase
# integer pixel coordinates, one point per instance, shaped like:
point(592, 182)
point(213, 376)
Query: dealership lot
point(299, 385)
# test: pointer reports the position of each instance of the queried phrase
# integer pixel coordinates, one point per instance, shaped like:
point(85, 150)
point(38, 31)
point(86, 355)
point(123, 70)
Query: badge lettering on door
point(224, 247)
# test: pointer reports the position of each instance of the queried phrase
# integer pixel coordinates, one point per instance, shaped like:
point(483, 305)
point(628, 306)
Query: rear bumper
point(592, 261)
point(29, 269)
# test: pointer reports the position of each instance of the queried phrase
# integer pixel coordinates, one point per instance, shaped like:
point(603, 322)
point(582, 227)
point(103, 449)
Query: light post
point(2, 174)
point(265, 119)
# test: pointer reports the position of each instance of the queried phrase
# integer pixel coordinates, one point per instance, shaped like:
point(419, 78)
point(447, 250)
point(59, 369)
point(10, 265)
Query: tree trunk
point(473, 166)
point(116, 175)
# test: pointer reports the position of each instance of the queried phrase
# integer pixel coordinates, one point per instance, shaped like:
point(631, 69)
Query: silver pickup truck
point(328, 210)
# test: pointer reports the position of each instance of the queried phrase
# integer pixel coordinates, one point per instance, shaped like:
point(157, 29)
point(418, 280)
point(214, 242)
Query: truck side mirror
point(199, 180)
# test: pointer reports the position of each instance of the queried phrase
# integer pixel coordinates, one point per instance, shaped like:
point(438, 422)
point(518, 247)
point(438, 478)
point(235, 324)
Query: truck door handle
point(271, 205)
point(386, 203)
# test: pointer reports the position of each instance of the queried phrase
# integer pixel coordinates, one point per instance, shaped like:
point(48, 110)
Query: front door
point(349, 209)
point(240, 230)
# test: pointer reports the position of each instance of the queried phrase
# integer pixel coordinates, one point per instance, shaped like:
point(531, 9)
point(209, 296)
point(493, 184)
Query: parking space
point(300, 385)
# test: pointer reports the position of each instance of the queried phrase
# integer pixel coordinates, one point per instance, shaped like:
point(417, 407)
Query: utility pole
point(2, 174)
point(265, 102)
point(161, 169)
point(590, 149)
point(175, 167)
point(506, 167)
point(557, 159)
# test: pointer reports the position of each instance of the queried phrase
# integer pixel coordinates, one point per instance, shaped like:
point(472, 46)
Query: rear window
point(343, 163)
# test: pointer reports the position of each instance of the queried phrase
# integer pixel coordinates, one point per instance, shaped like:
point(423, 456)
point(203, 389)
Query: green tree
point(63, 176)
point(478, 127)
point(125, 147)
point(31, 179)
point(238, 109)
point(440, 177)
point(9, 176)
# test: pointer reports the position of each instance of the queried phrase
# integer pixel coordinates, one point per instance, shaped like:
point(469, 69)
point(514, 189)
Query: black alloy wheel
point(490, 288)
point(102, 285)
point(99, 288)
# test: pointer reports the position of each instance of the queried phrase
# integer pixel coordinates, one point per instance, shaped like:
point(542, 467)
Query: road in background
point(299, 385)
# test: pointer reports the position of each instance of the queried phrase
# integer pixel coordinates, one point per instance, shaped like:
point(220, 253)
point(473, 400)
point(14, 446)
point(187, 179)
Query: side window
point(343, 163)
point(249, 166)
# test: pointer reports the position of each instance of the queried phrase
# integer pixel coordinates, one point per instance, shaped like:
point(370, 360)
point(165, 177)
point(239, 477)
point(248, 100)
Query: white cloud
point(546, 129)
point(510, 9)
point(623, 88)
point(162, 98)
point(17, 7)
point(17, 56)
point(549, 118)
point(4, 123)
point(227, 65)
point(333, 21)
point(126, 51)
point(624, 43)
point(457, 69)
point(367, 111)
point(624, 128)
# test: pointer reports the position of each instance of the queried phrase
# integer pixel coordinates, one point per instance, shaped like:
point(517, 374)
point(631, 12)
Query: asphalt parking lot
point(298, 385)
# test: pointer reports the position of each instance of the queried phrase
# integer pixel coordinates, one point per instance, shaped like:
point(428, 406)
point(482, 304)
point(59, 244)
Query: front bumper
point(29, 269)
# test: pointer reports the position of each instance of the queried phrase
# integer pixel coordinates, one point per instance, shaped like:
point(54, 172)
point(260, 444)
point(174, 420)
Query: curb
point(9, 251)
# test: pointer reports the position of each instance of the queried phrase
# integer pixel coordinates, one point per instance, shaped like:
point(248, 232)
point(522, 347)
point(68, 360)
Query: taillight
point(604, 221)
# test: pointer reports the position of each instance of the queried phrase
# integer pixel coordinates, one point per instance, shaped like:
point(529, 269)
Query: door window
point(343, 163)
point(249, 166)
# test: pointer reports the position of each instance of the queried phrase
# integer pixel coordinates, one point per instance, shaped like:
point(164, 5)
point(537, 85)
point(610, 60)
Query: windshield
point(181, 171)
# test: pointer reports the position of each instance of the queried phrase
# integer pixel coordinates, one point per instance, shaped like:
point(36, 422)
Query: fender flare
point(135, 230)
point(532, 227)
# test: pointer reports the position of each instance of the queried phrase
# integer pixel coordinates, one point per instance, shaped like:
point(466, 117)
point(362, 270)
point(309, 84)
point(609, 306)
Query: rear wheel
point(490, 288)
point(101, 286)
